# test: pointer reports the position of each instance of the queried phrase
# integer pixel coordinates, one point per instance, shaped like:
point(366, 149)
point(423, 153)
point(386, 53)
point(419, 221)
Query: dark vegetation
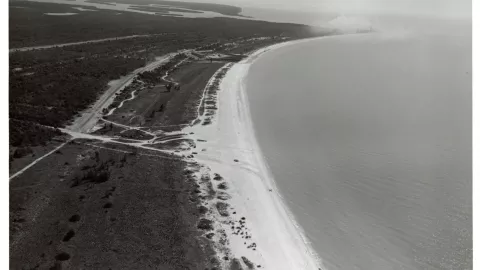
point(152, 77)
point(48, 87)
point(21, 151)
point(205, 224)
point(74, 218)
point(24, 133)
point(222, 185)
point(69, 235)
point(217, 177)
point(55, 92)
point(93, 171)
point(63, 256)
point(143, 217)
point(222, 208)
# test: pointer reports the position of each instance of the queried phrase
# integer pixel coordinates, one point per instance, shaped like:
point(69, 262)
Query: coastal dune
point(229, 148)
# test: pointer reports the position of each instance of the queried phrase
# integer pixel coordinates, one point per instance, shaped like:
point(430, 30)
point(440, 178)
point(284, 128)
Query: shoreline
point(279, 241)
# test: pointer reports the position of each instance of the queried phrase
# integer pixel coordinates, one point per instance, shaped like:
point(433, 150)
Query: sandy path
point(132, 96)
point(142, 144)
point(36, 161)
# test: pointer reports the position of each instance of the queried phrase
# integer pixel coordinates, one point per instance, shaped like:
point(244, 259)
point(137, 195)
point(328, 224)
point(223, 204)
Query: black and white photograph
point(239, 134)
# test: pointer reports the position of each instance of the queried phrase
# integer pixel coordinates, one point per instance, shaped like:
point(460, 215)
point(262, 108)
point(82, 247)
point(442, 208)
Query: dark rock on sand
point(19, 220)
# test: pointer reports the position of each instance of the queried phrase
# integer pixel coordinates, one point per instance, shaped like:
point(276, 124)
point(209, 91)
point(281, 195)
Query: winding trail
point(132, 96)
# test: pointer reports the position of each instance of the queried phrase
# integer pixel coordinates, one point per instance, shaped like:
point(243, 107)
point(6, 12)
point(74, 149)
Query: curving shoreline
point(232, 151)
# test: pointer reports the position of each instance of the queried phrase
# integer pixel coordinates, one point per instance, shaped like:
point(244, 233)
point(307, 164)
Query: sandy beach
point(272, 239)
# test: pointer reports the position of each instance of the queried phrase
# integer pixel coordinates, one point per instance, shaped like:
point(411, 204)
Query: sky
point(437, 8)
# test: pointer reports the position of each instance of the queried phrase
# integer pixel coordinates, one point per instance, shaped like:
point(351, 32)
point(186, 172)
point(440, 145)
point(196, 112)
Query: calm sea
point(368, 137)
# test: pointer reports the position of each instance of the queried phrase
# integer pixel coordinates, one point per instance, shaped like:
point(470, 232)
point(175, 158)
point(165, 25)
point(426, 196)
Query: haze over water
point(368, 137)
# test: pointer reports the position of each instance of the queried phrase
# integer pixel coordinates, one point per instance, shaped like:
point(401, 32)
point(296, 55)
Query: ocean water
point(368, 137)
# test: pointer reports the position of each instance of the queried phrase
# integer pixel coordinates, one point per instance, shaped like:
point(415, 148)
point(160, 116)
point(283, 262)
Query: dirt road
point(73, 43)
